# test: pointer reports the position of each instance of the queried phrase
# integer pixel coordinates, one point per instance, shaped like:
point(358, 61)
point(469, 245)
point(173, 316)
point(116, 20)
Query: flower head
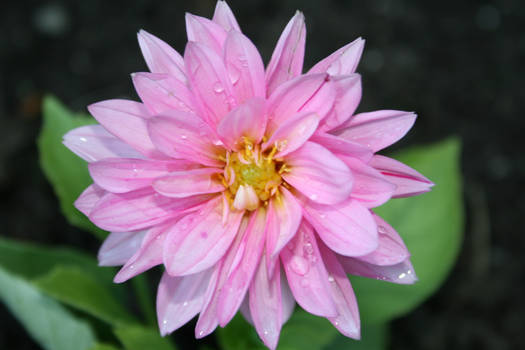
point(253, 187)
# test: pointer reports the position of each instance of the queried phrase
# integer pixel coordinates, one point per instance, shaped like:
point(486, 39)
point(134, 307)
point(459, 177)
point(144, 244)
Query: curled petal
point(408, 181)
point(287, 58)
point(318, 174)
point(89, 198)
point(181, 184)
point(347, 228)
point(200, 239)
point(343, 61)
point(119, 247)
point(377, 130)
point(160, 57)
point(93, 142)
point(402, 273)
point(205, 32)
point(224, 17)
point(343, 148)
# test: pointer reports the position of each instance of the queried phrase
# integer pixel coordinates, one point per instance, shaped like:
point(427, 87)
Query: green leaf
point(373, 337)
point(431, 226)
point(239, 335)
point(49, 323)
point(75, 288)
point(140, 338)
point(67, 172)
point(101, 346)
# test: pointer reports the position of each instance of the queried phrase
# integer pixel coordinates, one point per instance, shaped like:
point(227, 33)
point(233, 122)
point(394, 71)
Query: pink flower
point(254, 188)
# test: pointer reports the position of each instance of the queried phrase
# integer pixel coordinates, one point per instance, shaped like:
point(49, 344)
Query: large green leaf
point(373, 337)
point(67, 173)
point(141, 338)
point(49, 323)
point(101, 346)
point(73, 287)
point(431, 226)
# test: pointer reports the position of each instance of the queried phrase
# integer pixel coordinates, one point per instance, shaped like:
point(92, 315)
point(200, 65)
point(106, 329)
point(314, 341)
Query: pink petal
point(402, 273)
point(187, 183)
point(139, 209)
point(287, 300)
point(93, 142)
point(119, 247)
point(391, 249)
point(348, 95)
point(306, 93)
point(148, 255)
point(318, 174)
point(205, 32)
point(245, 67)
point(183, 135)
point(347, 228)
point(161, 92)
point(209, 81)
point(265, 304)
point(248, 120)
point(371, 188)
point(343, 148)
point(408, 181)
point(224, 17)
point(293, 133)
point(160, 57)
point(347, 321)
point(119, 175)
point(200, 239)
point(89, 198)
point(127, 121)
point(287, 58)
point(242, 272)
point(306, 273)
point(179, 299)
point(377, 130)
point(287, 214)
point(343, 61)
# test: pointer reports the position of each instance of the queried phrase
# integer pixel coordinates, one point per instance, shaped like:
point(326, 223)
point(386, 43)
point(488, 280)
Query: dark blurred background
point(458, 64)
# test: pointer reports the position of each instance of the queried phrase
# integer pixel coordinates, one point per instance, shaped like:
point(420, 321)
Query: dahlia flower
point(253, 187)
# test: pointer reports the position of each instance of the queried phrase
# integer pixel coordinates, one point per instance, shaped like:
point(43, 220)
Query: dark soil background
point(459, 64)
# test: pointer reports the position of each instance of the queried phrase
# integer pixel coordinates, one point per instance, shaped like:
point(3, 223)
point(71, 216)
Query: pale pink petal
point(342, 61)
point(293, 133)
point(391, 249)
point(409, 182)
point(161, 57)
point(224, 17)
point(287, 58)
point(377, 130)
point(318, 174)
point(245, 198)
point(184, 135)
point(179, 299)
point(187, 183)
point(119, 247)
point(347, 321)
point(148, 255)
point(343, 148)
point(265, 304)
point(348, 95)
point(402, 273)
point(161, 92)
point(247, 120)
point(127, 121)
point(200, 239)
point(286, 212)
point(243, 268)
point(121, 212)
point(347, 228)
point(306, 273)
point(210, 82)
point(306, 93)
point(205, 32)
point(245, 309)
point(119, 175)
point(93, 142)
point(245, 67)
point(89, 198)
point(287, 300)
point(371, 188)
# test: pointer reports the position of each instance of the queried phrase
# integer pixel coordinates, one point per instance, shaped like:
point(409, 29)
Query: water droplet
point(185, 303)
point(308, 249)
point(83, 139)
point(218, 88)
point(201, 333)
point(313, 197)
point(184, 137)
point(165, 322)
point(402, 275)
point(304, 283)
point(265, 332)
point(381, 229)
point(331, 279)
point(234, 74)
point(322, 216)
point(241, 58)
point(299, 265)
point(131, 267)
